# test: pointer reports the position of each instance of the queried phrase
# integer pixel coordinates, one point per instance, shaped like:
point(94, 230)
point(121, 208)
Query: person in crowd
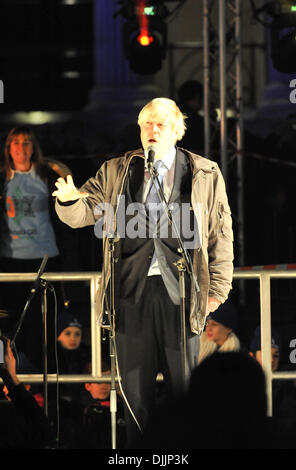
point(283, 391)
point(99, 390)
point(147, 291)
point(225, 407)
point(72, 353)
point(190, 102)
point(24, 424)
point(72, 357)
point(219, 335)
point(69, 331)
point(29, 227)
point(29, 230)
point(233, 397)
point(24, 366)
point(255, 348)
point(96, 431)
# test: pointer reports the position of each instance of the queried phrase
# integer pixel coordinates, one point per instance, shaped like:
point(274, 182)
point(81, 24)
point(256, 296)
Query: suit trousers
point(148, 341)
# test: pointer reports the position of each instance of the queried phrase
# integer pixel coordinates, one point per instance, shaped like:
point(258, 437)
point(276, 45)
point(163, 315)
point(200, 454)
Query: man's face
point(157, 131)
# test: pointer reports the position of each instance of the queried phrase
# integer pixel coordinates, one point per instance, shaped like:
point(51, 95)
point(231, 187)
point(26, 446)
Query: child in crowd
point(255, 348)
point(69, 331)
point(96, 429)
point(73, 355)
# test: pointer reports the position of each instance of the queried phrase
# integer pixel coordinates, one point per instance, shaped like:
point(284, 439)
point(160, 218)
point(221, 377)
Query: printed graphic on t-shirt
point(18, 207)
point(29, 232)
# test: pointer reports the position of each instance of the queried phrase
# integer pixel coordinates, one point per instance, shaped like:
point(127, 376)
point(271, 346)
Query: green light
point(149, 11)
point(293, 8)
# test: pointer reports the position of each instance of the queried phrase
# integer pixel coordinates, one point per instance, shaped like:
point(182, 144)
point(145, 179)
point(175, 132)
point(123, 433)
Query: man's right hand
point(66, 191)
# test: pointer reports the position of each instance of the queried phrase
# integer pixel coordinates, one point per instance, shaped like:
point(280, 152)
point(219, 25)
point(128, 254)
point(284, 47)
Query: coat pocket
point(223, 211)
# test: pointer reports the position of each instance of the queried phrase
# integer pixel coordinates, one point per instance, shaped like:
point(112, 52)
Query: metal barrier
point(264, 277)
point(93, 278)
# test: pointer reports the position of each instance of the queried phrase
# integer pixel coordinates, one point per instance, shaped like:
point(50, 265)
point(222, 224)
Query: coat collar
point(197, 162)
point(136, 166)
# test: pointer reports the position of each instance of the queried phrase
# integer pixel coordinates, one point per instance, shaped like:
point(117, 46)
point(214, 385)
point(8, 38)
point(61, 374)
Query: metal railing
point(93, 278)
point(264, 277)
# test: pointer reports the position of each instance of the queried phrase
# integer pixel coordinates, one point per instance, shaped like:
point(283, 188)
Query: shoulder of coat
point(201, 163)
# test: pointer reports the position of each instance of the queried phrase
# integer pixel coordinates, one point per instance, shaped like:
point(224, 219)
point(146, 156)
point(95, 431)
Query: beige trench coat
point(212, 262)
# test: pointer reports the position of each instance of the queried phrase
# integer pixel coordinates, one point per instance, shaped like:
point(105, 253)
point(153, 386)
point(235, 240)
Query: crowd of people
point(224, 405)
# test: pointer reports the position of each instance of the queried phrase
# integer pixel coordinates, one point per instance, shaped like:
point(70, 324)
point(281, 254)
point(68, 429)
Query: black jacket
point(24, 424)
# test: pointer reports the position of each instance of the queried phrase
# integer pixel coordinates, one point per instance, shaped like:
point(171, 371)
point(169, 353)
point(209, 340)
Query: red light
point(144, 39)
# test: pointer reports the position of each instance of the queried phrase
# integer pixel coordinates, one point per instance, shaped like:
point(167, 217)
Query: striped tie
point(152, 200)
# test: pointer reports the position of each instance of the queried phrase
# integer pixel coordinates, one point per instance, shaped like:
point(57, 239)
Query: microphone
point(151, 154)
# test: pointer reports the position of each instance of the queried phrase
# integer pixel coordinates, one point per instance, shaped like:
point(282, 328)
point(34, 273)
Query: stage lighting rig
point(144, 34)
point(282, 25)
point(283, 36)
point(284, 11)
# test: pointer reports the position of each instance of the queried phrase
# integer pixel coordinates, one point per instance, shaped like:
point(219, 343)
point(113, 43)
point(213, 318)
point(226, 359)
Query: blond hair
point(208, 347)
point(166, 110)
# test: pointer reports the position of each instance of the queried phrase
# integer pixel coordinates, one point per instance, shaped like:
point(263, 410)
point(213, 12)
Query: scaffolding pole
point(228, 20)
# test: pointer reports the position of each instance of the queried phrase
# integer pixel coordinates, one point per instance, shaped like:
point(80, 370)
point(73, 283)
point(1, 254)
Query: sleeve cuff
point(67, 203)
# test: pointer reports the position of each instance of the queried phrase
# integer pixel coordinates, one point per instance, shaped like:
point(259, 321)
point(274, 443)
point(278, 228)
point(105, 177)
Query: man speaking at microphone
point(148, 299)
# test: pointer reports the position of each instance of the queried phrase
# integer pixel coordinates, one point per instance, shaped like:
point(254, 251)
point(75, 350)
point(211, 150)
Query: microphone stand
point(110, 312)
point(183, 265)
point(44, 284)
point(111, 316)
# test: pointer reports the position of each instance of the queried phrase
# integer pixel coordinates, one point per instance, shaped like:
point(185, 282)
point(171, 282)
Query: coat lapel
point(180, 179)
point(136, 179)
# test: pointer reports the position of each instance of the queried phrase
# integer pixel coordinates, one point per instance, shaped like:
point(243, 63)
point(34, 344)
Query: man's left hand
point(213, 304)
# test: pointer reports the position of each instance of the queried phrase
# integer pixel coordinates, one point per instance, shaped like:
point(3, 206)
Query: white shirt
point(169, 160)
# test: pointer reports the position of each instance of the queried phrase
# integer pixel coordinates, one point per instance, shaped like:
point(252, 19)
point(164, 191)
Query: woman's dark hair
point(6, 162)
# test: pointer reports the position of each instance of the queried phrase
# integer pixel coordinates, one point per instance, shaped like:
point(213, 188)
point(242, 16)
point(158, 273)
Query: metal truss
point(222, 38)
